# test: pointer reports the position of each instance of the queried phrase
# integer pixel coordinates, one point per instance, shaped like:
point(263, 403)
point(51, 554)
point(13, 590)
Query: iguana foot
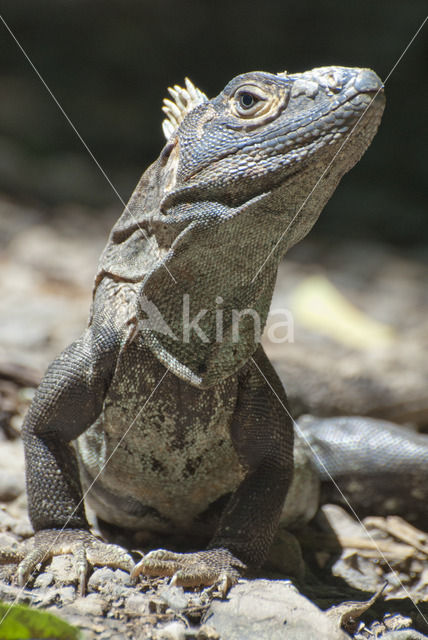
point(215, 566)
point(85, 548)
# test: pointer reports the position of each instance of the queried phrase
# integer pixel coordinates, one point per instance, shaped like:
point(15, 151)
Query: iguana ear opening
point(183, 101)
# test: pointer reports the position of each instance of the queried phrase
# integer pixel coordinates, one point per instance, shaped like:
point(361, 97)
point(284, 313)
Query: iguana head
point(263, 128)
point(242, 177)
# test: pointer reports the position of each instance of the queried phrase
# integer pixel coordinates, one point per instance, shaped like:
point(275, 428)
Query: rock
point(121, 577)
point(12, 455)
point(111, 584)
point(12, 484)
point(269, 609)
point(7, 541)
point(137, 604)
point(63, 569)
point(99, 578)
point(43, 580)
point(54, 597)
point(15, 594)
point(92, 604)
point(6, 520)
point(174, 597)
point(46, 597)
point(106, 576)
point(172, 631)
point(23, 527)
point(67, 595)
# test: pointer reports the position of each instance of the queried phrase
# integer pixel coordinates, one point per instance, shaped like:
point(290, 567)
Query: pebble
point(46, 597)
point(67, 595)
point(137, 604)
point(99, 578)
point(12, 484)
point(23, 528)
point(172, 631)
point(121, 577)
point(174, 597)
point(43, 580)
point(12, 593)
point(106, 576)
point(63, 564)
point(6, 521)
point(92, 604)
point(8, 541)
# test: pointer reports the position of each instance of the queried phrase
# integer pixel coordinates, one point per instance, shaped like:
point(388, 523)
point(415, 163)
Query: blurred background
point(356, 286)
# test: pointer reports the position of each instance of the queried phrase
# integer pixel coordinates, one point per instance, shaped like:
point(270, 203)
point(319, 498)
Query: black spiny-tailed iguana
point(169, 427)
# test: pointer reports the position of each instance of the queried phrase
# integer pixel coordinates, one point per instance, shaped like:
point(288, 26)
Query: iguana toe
point(85, 548)
point(203, 568)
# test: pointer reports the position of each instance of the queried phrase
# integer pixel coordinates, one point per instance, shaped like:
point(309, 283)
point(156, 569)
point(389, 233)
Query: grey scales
point(166, 415)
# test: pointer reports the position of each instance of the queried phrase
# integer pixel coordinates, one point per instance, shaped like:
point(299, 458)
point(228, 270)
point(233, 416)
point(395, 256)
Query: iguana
point(166, 414)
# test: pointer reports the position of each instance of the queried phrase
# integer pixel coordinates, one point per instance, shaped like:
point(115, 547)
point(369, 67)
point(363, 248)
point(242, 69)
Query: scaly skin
point(160, 426)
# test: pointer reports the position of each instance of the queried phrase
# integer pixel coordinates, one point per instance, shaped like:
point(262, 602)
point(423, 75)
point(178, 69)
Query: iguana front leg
point(262, 433)
point(67, 402)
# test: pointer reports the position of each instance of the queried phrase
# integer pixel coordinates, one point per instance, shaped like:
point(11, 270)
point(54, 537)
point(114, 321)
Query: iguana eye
point(246, 100)
point(247, 103)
